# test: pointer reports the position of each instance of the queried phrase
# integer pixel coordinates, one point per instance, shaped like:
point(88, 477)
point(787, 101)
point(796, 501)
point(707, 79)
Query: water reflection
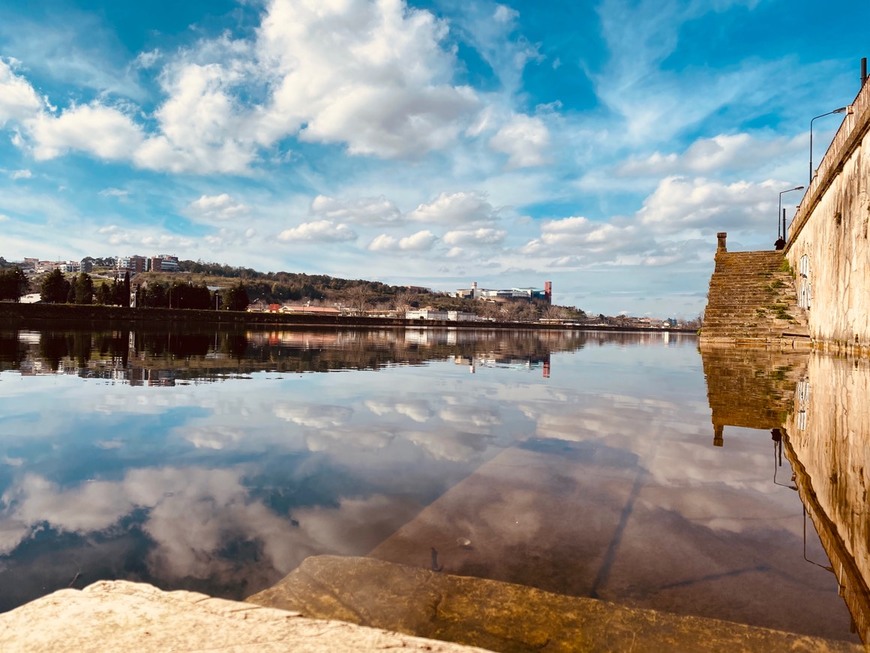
point(827, 444)
point(815, 407)
point(574, 462)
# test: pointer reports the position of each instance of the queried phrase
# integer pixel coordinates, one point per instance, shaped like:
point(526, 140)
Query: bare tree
point(358, 299)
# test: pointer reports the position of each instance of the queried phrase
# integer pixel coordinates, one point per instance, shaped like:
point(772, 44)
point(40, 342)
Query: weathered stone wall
point(828, 246)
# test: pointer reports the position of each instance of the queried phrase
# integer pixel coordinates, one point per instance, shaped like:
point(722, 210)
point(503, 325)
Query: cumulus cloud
point(218, 208)
point(708, 155)
point(319, 230)
point(679, 203)
point(373, 75)
point(375, 211)
point(104, 132)
point(482, 236)
point(418, 242)
point(572, 232)
point(18, 100)
point(144, 238)
point(202, 128)
point(453, 208)
point(577, 241)
point(525, 140)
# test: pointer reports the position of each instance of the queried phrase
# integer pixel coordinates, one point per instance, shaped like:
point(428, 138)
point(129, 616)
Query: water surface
point(584, 463)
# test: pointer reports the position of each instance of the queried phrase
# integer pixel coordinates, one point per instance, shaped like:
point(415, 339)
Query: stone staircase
point(753, 301)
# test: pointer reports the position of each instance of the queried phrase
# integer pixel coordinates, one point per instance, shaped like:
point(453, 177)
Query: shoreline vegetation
point(78, 315)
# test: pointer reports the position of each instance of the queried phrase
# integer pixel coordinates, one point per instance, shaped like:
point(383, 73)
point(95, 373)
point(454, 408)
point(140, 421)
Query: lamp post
point(780, 212)
point(840, 110)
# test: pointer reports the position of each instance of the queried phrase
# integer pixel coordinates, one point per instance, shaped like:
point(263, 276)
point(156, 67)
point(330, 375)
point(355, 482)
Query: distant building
point(310, 310)
point(132, 264)
point(508, 294)
point(163, 263)
point(435, 314)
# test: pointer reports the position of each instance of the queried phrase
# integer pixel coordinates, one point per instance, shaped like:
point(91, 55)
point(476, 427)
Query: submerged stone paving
point(506, 617)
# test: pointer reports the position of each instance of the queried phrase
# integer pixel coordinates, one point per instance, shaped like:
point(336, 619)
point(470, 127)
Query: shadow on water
point(815, 407)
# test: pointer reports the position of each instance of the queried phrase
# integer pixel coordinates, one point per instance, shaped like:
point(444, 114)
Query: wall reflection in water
point(828, 444)
point(815, 407)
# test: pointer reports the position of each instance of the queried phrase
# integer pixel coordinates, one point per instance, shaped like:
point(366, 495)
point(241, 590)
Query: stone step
point(752, 297)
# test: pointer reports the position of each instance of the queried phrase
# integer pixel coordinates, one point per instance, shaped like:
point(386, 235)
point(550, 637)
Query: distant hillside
point(360, 294)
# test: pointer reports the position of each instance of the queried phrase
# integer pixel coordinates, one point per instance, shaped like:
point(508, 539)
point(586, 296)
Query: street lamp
point(840, 110)
point(779, 212)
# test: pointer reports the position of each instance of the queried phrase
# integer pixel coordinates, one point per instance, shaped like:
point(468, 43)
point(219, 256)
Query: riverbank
point(95, 315)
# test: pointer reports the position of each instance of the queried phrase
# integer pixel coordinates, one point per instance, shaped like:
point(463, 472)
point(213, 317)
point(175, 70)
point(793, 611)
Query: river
point(626, 467)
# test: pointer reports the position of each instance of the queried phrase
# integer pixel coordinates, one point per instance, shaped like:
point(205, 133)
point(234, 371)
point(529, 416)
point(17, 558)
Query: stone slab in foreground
point(123, 616)
point(507, 617)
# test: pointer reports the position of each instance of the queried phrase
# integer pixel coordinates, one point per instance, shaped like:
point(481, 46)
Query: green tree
point(236, 298)
point(54, 288)
point(82, 289)
point(125, 300)
point(13, 284)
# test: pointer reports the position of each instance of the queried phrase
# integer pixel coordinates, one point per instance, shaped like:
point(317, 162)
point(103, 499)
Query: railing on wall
point(848, 137)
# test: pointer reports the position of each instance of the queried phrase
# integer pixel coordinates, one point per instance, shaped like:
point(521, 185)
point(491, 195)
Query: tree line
point(56, 288)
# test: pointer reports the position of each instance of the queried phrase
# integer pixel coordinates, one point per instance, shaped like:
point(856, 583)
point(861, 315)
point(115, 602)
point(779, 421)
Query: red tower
point(548, 291)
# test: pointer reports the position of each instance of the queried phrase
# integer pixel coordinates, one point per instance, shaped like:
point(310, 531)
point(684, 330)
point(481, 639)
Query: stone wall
point(828, 246)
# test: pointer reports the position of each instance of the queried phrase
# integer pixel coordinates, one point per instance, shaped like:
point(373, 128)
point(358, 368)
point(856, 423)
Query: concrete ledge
point(121, 616)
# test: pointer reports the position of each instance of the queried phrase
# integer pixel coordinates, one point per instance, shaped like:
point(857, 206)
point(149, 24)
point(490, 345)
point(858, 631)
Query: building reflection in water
point(815, 407)
point(162, 357)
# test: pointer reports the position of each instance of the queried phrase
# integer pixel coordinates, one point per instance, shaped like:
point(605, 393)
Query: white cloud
point(525, 140)
point(504, 14)
point(218, 208)
point(462, 208)
point(482, 236)
point(418, 242)
point(371, 75)
point(20, 174)
point(147, 59)
point(95, 129)
point(142, 238)
point(18, 100)
point(115, 192)
point(679, 203)
point(718, 154)
point(319, 230)
point(374, 76)
point(376, 211)
point(202, 129)
point(568, 234)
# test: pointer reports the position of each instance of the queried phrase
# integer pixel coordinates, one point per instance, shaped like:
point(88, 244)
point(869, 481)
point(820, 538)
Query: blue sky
point(600, 145)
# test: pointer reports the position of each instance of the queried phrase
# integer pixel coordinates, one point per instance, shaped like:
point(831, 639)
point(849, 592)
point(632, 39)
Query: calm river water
point(626, 467)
